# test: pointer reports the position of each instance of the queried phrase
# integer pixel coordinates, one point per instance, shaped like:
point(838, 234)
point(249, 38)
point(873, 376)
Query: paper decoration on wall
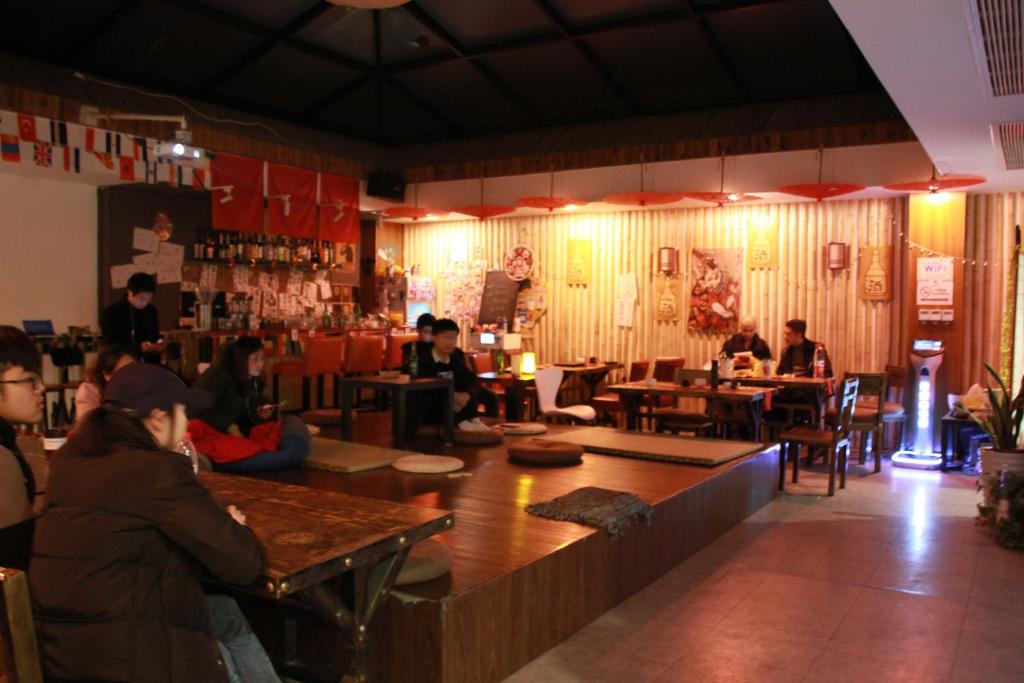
point(240, 278)
point(346, 258)
point(875, 265)
point(625, 299)
point(670, 300)
point(119, 275)
point(421, 288)
point(463, 286)
point(144, 239)
point(762, 246)
point(162, 226)
point(715, 292)
point(519, 262)
point(935, 281)
point(146, 263)
point(579, 263)
point(531, 305)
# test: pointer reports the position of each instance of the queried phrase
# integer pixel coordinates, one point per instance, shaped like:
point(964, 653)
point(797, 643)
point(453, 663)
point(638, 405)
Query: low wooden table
point(515, 391)
point(399, 388)
point(823, 388)
point(633, 393)
point(312, 537)
point(590, 374)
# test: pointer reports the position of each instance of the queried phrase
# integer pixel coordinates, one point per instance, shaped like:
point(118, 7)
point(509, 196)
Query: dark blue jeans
point(291, 450)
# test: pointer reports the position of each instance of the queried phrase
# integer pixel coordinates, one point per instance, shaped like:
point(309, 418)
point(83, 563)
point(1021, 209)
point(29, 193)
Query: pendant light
point(643, 198)
point(483, 211)
point(935, 184)
point(415, 212)
point(550, 202)
point(722, 197)
point(819, 190)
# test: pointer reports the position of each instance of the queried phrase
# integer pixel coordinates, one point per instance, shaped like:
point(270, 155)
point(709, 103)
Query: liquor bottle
point(325, 253)
point(714, 374)
point(819, 361)
point(414, 362)
point(188, 449)
point(211, 249)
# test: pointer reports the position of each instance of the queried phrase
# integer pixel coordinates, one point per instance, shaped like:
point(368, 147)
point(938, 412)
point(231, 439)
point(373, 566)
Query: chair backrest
point(480, 361)
point(19, 654)
point(393, 350)
point(638, 370)
point(548, 380)
point(896, 376)
point(847, 403)
point(665, 368)
point(364, 353)
point(872, 386)
point(322, 356)
point(691, 376)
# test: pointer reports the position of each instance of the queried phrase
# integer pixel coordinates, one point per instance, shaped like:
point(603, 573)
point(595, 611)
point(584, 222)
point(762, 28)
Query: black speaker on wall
point(385, 185)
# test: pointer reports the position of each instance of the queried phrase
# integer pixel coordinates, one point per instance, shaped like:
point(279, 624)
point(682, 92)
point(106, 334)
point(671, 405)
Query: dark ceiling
point(443, 69)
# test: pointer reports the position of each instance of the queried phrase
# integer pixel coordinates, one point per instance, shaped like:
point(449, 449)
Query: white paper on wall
point(144, 239)
point(119, 275)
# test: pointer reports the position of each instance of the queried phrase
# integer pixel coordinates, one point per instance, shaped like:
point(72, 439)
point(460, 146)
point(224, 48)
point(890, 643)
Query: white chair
point(548, 380)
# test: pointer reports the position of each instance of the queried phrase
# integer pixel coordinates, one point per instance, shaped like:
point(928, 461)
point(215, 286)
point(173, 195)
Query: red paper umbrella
point(935, 184)
point(413, 212)
point(643, 198)
point(820, 191)
point(481, 210)
point(722, 197)
point(549, 203)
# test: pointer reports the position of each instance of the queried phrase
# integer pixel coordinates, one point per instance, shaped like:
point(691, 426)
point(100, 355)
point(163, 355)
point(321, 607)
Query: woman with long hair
point(241, 431)
point(89, 395)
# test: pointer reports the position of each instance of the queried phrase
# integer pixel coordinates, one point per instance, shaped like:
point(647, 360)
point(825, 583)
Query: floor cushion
point(545, 452)
point(521, 428)
point(488, 438)
point(427, 560)
point(428, 464)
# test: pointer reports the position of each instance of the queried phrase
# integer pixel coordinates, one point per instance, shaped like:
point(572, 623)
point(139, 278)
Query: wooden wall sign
point(579, 263)
point(762, 246)
point(875, 273)
point(670, 301)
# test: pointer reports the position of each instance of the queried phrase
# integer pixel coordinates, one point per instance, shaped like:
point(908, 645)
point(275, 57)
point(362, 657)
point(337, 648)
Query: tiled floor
point(887, 581)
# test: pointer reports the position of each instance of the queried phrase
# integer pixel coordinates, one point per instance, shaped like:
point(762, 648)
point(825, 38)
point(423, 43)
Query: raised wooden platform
point(521, 584)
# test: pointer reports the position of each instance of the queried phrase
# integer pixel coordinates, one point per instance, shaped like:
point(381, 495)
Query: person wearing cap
point(120, 548)
point(21, 402)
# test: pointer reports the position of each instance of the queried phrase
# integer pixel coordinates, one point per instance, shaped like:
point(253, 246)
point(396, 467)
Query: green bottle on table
point(500, 360)
point(414, 362)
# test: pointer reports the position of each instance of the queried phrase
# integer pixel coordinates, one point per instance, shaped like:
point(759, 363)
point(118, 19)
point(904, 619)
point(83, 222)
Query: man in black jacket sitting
point(798, 356)
point(442, 358)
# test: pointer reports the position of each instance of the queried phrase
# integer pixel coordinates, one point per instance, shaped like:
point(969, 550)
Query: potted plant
point(1002, 463)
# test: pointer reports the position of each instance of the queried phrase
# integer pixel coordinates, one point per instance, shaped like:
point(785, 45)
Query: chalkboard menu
point(498, 299)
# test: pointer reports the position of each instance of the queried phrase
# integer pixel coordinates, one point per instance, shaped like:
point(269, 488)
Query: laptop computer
point(38, 328)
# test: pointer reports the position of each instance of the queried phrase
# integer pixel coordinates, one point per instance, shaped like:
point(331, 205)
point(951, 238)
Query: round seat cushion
point(544, 452)
point(428, 464)
point(488, 438)
point(325, 417)
point(427, 560)
point(520, 428)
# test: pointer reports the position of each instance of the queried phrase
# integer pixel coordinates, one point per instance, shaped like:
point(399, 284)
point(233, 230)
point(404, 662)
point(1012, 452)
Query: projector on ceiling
point(180, 150)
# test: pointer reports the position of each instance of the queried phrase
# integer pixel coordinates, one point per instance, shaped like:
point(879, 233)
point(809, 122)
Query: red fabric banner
point(296, 215)
point(339, 209)
point(243, 179)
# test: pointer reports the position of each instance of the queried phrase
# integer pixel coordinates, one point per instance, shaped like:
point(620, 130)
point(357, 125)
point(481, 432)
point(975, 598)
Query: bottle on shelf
point(819, 361)
point(210, 251)
point(198, 247)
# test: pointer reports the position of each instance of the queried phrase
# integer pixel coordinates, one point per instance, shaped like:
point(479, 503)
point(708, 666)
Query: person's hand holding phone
point(266, 411)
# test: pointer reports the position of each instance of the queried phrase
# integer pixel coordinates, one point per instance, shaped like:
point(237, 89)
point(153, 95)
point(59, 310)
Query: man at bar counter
point(133, 321)
point(747, 341)
point(798, 356)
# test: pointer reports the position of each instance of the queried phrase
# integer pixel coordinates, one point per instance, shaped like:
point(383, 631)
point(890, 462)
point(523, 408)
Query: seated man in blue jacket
point(442, 357)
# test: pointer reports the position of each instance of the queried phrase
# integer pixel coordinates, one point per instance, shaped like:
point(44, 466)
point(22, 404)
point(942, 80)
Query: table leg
point(631, 404)
point(346, 411)
point(756, 415)
point(448, 429)
point(945, 445)
point(398, 416)
point(514, 402)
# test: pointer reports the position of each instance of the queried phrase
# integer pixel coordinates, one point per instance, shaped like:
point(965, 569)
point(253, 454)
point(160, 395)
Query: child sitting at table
point(439, 358)
point(21, 402)
point(119, 552)
point(240, 430)
point(89, 395)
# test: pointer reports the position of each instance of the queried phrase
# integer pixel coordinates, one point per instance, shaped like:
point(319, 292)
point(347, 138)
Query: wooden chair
point(867, 418)
point(674, 420)
point(393, 349)
point(664, 371)
point(321, 357)
point(836, 440)
point(895, 411)
point(548, 381)
point(483, 361)
point(19, 654)
point(608, 406)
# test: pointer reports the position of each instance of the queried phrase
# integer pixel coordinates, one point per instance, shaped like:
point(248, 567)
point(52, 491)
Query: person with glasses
point(21, 402)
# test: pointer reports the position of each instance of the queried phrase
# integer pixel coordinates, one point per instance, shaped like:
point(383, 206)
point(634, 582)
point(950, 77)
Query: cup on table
point(53, 440)
point(593, 360)
point(766, 367)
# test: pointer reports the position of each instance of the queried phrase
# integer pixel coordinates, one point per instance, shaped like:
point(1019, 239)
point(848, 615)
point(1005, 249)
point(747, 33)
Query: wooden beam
point(723, 58)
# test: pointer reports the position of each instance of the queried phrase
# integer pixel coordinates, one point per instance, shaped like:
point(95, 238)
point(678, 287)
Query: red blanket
point(220, 447)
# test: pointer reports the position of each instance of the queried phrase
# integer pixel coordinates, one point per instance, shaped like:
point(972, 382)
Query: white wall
point(48, 242)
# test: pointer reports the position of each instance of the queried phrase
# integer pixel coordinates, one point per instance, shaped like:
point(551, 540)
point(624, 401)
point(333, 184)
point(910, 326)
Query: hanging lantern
point(820, 191)
point(481, 210)
point(668, 260)
point(935, 184)
point(837, 255)
point(643, 198)
point(721, 198)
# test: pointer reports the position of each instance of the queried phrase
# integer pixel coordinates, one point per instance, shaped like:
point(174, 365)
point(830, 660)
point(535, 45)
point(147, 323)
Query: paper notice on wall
point(144, 239)
point(325, 289)
point(167, 272)
point(145, 262)
point(295, 282)
point(624, 312)
point(119, 275)
point(625, 298)
point(274, 283)
point(240, 279)
point(208, 277)
point(935, 281)
point(264, 281)
point(310, 292)
point(171, 253)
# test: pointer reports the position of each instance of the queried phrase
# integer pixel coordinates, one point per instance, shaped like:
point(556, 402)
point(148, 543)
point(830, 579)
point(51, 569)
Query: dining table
point(590, 374)
point(632, 395)
point(314, 538)
point(398, 387)
point(819, 388)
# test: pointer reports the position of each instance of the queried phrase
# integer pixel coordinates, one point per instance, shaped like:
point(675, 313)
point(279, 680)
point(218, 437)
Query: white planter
point(994, 462)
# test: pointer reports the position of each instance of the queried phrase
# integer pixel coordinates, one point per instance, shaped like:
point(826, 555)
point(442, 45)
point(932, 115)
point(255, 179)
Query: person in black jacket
point(133, 321)
point(747, 340)
point(438, 358)
point(798, 356)
point(119, 552)
point(236, 383)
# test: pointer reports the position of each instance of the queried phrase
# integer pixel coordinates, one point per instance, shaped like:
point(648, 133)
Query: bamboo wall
point(579, 320)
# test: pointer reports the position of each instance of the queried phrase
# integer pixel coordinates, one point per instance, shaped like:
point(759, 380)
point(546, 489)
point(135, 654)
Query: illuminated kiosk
point(925, 358)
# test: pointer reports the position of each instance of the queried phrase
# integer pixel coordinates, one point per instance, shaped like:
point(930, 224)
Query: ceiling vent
point(1009, 141)
point(997, 31)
